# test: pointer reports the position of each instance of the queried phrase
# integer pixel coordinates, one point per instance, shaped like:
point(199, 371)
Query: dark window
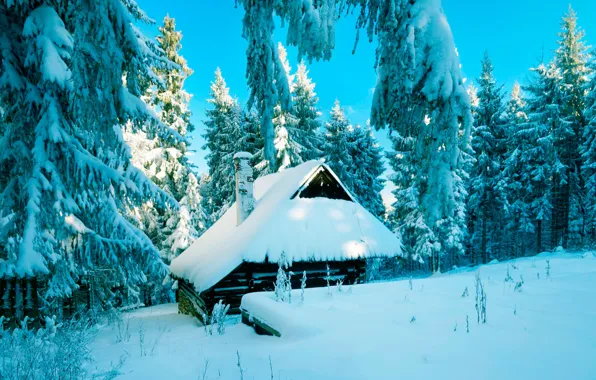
point(322, 184)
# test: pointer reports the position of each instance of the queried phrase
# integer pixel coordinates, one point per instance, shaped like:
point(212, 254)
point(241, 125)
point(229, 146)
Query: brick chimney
point(245, 200)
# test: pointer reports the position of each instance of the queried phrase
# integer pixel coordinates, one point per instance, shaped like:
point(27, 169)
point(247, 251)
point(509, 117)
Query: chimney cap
point(241, 155)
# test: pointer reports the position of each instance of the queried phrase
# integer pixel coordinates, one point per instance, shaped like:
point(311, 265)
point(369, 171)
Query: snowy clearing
point(543, 330)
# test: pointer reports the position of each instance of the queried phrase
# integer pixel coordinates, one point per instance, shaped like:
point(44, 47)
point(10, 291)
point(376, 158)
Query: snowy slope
point(305, 229)
point(367, 333)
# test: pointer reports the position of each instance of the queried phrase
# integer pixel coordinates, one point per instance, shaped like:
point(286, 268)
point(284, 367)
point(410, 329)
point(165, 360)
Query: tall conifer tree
point(571, 60)
point(486, 189)
point(65, 169)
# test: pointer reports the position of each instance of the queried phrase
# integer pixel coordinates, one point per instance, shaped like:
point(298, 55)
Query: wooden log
point(258, 325)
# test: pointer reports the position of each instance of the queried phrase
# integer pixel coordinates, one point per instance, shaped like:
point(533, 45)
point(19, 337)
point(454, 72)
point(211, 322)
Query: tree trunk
point(538, 236)
point(483, 243)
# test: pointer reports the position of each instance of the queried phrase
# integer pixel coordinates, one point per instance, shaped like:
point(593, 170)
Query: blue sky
point(515, 33)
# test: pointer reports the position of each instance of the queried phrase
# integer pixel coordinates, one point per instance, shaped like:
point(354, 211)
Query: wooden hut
point(304, 213)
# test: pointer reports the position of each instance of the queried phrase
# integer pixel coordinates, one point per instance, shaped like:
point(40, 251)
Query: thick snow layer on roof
point(305, 229)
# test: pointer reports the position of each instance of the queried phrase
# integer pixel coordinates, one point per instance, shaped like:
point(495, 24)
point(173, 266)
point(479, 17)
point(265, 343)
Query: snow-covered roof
point(304, 228)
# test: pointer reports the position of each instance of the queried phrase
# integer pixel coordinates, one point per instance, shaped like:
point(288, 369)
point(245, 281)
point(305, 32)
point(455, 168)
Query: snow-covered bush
point(339, 285)
point(547, 268)
point(283, 286)
point(410, 283)
point(465, 293)
point(120, 323)
point(480, 299)
point(218, 317)
point(58, 351)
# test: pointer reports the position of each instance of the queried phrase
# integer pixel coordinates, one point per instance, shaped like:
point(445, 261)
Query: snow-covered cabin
point(305, 213)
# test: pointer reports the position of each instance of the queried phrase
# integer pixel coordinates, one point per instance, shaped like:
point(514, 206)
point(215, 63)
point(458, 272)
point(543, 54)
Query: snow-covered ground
point(385, 331)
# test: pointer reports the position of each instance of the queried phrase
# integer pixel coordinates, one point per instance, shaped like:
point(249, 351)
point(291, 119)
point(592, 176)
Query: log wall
point(258, 277)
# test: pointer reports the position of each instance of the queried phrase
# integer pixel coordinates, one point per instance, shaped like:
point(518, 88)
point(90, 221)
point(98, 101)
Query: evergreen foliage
point(66, 175)
point(486, 188)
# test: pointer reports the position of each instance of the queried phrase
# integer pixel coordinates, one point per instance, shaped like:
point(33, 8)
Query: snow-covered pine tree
point(165, 161)
point(288, 151)
point(367, 169)
point(571, 59)
point(297, 134)
point(188, 223)
point(66, 171)
point(428, 113)
point(534, 156)
point(486, 193)
point(223, 135)
point(305, 110)
point(172, 105)
point(515, 173)
point(339, 146)
point(589, 154)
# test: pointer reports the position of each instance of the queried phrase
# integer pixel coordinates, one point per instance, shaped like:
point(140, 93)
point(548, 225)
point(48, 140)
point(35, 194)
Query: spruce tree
point(223, 134)
point(515, 173)
point(288, 151)
point(571, 59)
point(165, 161)
point(588, 151)
point(338, 146)
point(65, 169)
point(367, 169)
point(486, 192)
point(535, 154)
point(171, 102)
point(306, 112)
point(187, 223)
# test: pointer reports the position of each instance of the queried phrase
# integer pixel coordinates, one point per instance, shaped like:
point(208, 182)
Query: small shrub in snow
point(465, 293)
point(121, 324)
point(519, 284)
point(351, 288)
point(508, 277)
point(282, 280)
point(480, 299)
point(515, 310)
point(455, 327)
point(328, 279)
point(205, 369)
point(413, 319)
point(142, 339)
point(270, 368)
point(547, 268)
point(339, 285)
point(467, 324)
point(410, 283)
point(218, 318)
point(239, 364)
point(58, 351)
point(288, 289)
point(302, 286)
point(538, 275)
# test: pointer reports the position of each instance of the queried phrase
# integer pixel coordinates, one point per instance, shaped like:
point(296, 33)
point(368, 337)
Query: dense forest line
point(97, 190)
